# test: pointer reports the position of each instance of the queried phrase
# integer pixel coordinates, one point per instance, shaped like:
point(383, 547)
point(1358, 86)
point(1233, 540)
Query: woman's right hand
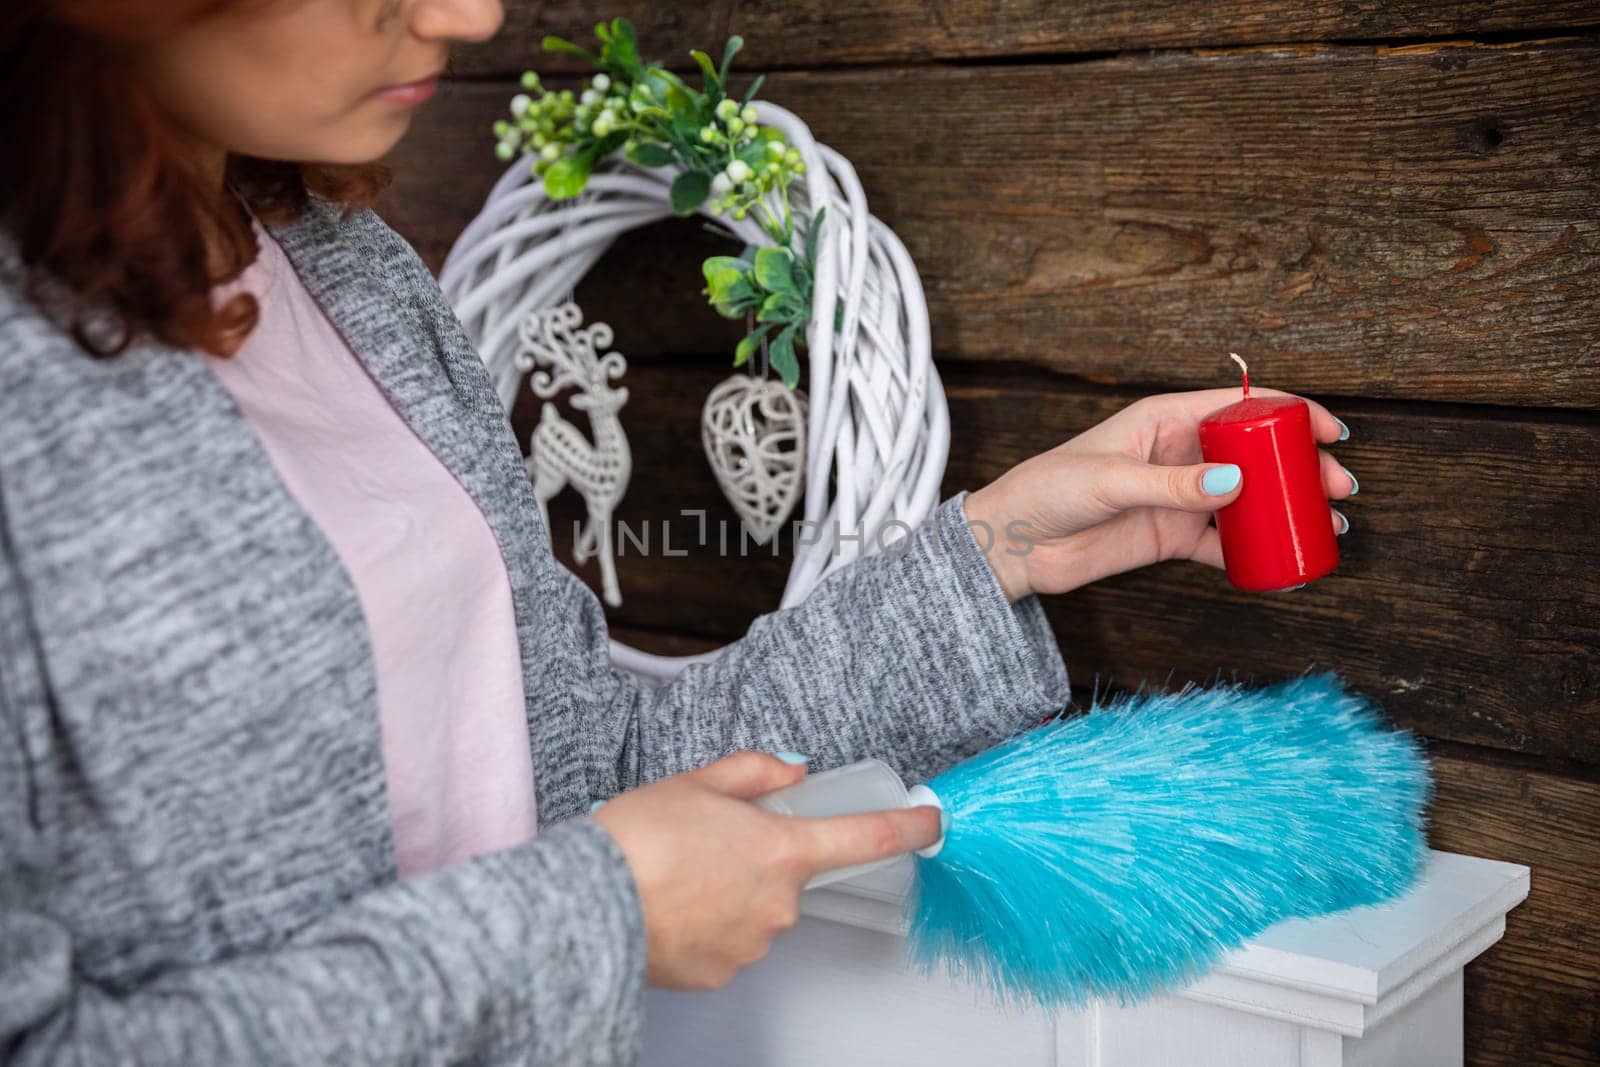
point(720, 878)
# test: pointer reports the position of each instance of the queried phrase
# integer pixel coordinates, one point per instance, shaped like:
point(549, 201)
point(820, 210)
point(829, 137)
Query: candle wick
point(1245, 370)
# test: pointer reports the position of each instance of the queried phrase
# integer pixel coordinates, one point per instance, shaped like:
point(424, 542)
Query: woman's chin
point(382, 137)
point(367, 142)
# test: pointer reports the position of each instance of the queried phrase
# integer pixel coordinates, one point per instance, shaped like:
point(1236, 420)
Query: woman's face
point(314, 81)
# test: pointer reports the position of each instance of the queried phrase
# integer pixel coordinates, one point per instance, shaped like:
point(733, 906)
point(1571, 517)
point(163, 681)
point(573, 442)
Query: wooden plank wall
point(1392, 206)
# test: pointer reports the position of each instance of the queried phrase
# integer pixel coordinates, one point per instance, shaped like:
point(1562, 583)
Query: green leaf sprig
point(720, 150)
point(775, 285)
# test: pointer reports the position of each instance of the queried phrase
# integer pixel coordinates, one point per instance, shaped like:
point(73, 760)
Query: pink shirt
point(425, 565)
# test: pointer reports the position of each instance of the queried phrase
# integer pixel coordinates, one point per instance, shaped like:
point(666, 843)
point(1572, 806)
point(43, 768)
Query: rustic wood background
point(1391, 205)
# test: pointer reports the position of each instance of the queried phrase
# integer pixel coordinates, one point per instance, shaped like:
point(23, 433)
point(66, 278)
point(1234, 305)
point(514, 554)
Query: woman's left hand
point(1127, 493)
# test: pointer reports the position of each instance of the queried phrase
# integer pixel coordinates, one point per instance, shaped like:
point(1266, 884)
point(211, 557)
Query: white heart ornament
point(754, 433)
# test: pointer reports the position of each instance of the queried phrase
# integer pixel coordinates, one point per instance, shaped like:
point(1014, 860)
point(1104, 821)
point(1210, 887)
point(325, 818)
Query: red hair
point(97, 195)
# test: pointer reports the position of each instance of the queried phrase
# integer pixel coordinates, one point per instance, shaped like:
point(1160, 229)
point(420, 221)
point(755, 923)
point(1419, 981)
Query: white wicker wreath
point(877, 421)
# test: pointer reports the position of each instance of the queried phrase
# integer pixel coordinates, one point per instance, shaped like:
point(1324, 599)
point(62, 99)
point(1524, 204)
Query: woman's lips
point(411, 93)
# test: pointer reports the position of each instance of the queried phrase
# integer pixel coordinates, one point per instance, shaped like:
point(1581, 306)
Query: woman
point(300, 722)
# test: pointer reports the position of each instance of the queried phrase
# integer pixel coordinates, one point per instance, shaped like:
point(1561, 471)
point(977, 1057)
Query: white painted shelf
point(1366, 987)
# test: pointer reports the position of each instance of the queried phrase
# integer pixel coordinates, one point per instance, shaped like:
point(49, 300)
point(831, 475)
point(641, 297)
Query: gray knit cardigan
point(195, 860)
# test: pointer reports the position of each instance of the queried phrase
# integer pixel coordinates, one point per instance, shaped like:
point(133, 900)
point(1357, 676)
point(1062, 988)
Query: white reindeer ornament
point(567, 356)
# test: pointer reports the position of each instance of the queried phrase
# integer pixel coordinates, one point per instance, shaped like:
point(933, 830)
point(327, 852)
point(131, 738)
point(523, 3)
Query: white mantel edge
point(1459, 911)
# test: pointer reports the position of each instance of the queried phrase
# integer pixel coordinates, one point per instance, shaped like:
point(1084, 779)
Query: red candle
point(1278, 533)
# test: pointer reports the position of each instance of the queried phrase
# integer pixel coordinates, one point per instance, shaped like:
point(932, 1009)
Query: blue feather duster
point(1123, 852)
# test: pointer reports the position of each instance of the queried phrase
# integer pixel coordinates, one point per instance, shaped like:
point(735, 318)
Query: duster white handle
point(870, 785)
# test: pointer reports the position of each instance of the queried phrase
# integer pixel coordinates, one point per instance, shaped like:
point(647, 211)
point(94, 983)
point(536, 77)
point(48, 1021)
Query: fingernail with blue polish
point(1220, 481)
point(1355, 486)
point(596, 806)
point(1344, 431)
point(792, 757)
point(1344, 522)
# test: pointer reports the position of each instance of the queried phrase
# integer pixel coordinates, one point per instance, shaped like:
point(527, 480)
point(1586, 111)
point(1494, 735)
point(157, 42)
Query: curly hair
point(106, 213)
